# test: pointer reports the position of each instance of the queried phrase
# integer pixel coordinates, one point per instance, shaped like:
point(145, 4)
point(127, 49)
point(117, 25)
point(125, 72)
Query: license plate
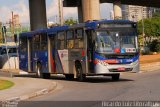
point(121, 69)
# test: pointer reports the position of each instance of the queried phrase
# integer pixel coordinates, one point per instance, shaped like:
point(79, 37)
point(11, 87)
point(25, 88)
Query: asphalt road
point(131, 87)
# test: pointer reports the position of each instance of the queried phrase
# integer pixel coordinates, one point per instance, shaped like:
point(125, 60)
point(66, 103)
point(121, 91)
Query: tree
point(152, 33)
point(70, 21)
point(156, 14)
point(151, 28)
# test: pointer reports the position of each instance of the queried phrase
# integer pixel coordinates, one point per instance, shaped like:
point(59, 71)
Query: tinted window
point(70, 39)
point(43, 44)
point(3, 52)
point(61, 40)
point(23, 44)
point(12, 50)
point(79, 38)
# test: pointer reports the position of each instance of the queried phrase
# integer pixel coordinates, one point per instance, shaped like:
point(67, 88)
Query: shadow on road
point(91, 79)
point(100, 79)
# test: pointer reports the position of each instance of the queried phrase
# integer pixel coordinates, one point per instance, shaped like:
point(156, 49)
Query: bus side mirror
point(15, 38)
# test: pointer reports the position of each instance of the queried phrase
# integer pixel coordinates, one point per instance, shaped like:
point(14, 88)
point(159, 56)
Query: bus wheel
point(79, 72)
point(115, 77)
point(69, 76)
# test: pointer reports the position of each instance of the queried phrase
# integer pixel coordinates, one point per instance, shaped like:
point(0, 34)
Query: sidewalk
point(149, 63)
point(26, 88)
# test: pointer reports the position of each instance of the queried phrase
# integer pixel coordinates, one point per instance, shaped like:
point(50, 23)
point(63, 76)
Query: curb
point(15, 100)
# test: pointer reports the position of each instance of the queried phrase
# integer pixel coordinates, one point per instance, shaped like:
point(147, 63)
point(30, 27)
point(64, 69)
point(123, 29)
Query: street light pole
point(4, 30)
point(143, 33)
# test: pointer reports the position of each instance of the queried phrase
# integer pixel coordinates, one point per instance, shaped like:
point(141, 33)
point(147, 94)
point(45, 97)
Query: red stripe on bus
point(52, 64)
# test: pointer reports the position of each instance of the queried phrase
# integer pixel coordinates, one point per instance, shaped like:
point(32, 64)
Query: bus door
point(51, 53)
point(90, 50)
point(23, 54)
point(39, 52)
point(43, 53)
point(61, 54)
point(34, 49)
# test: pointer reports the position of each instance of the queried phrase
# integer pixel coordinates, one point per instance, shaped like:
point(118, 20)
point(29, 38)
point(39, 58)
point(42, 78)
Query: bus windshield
point(115, 41)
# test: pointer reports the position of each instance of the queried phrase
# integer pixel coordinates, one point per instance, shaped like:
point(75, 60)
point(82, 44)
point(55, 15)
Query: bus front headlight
point(103, 63)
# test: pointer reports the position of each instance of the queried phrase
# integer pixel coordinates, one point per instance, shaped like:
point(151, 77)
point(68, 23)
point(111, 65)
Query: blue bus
point(103, 47)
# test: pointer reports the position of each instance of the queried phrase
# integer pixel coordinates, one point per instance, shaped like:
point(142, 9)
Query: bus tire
point(115, 77)
point(79, 72)
point(69, 76)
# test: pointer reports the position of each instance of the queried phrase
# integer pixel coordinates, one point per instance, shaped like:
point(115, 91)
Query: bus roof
point(30, 34)
point(26, 34)
point(87, 25)
point(93, 24)
point(55, 29)
point(44, 30)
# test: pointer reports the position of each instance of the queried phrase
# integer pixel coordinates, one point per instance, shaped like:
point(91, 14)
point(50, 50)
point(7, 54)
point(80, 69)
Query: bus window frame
point(23, 45)
point(70, 42)
point(39, 42)
point(43, 41)
point(79, 39)
point(52, 38)
point(57, 39)
point(36, 43)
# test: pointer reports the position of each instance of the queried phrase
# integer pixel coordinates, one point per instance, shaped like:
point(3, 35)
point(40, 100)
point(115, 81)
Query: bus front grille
point(117, 70)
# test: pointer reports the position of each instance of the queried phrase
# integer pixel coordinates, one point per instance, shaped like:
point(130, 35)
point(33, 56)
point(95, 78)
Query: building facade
point(16, 20)
point(136, 13)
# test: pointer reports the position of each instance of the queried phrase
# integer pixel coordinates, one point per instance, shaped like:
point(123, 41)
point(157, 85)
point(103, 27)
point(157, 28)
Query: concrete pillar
point(38, 18)
point(117, 10)
point(80, 14)
point(91, 10)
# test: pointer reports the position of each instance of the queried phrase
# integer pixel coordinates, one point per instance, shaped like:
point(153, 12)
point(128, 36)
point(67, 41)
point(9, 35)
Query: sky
point(21, 7)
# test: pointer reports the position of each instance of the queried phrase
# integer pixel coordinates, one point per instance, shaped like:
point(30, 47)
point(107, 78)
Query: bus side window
point(12, 50)
point(23, 44)
point(52, 38)
point(43, 41)
point(61, 40)
point(4, 52)
point(36, 42)
point(70, 39)
point(79, 38)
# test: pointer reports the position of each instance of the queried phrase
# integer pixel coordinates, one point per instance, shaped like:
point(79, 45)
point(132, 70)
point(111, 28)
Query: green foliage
point(152, 31)
point(155, 46)
point(140, 40)
point(70, 21)
point(4, 84)
point(156, 14)
point(151, 27)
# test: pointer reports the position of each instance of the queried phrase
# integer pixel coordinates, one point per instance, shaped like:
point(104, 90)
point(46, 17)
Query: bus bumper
point(116, 68)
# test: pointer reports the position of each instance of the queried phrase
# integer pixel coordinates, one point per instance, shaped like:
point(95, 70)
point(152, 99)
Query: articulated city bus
point(105, 47)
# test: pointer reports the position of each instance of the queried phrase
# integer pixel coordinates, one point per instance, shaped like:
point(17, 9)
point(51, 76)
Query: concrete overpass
point(87, 9)
point(148, 3)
